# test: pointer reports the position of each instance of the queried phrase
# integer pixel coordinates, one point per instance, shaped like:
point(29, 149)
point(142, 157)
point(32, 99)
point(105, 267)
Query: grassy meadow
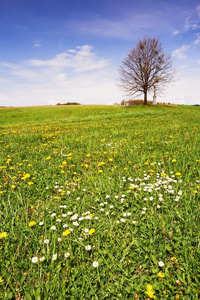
point(100, 202)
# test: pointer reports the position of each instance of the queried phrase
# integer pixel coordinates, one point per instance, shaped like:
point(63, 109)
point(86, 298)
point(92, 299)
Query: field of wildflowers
point(100, 203)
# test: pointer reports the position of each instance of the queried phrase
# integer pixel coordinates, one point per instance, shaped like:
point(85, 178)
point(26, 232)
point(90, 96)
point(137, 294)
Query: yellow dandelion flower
point(149, 288)
point(91, 231)
point(150, 291)
point(1, 279)
point(66, 232)
point(177, 173)
point(3, 235)
point(32, 223)
point(174, 259)
point(26, 176)
point(161, 275)
point(163, 174)
point(150, 294)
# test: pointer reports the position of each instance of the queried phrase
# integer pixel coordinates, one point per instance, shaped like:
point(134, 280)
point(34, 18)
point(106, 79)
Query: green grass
point(129, 173)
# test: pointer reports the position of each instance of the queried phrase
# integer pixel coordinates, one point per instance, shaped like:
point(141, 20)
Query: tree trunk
point(145, 97)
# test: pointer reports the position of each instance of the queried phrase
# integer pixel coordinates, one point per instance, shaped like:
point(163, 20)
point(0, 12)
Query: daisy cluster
point(64, 224)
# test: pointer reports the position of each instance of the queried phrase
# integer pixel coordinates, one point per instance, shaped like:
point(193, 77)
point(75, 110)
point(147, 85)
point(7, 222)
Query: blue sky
point(70, 50)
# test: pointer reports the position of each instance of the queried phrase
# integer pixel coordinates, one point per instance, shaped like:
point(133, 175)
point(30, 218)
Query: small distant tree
point(123, 102)
point(145, 67)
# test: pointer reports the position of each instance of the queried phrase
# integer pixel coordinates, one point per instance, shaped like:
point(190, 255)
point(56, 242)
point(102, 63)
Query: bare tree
point(146, 67)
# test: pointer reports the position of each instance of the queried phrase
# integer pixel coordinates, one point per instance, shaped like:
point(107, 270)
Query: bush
point(69, 103)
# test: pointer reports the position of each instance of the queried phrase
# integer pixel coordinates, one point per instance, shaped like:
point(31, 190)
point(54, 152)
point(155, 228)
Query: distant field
point(100, 202)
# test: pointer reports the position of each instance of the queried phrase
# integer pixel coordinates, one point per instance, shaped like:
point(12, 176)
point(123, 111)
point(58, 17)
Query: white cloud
point(8, 65)
point(180, 52)
point(108, 28)
point(80, 60)
point(198, 10)
point(197, 41)
point(37, 43)
point(76, 75)
point(98, 88)
point(183, 91)
point(190, 24)
point(134, 24)
point(175, 32)
point(61, 79)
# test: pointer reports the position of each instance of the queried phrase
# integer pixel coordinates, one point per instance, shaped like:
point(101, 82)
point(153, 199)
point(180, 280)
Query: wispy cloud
point(192, 21)
point(81, 59)
point(180, 52)
point(197, 41)
point(78, 75)
point(191, 24)
point(122, 29)
point(37, 43)
point(175, 32)
point(198, 9)
point(135, 24)
point(183, 91)
point(63, 65)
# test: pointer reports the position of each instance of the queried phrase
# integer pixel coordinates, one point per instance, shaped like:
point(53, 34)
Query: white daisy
point(88, 248)
point(54, 257)
point(95, 264)
point(42, 258)
point(161, 264)
point(34, 259)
